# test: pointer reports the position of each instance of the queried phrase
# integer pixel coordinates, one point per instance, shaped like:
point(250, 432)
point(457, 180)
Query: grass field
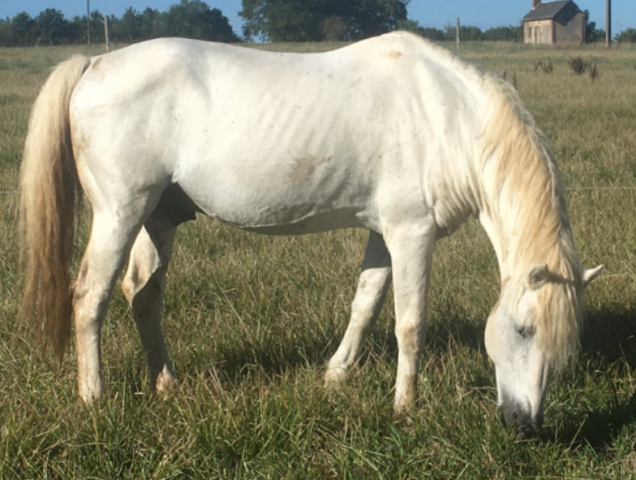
point(250, 322)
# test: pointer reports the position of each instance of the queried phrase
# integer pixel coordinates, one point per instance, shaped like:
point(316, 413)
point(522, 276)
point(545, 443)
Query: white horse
point(392, 134)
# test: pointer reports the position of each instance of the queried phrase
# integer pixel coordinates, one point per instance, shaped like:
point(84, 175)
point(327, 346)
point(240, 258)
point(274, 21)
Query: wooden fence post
point(457, 32)
point(88, 22)
point(106, 33)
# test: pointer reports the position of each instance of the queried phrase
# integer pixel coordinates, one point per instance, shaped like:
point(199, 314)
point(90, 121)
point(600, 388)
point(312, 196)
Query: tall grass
point(250, 322)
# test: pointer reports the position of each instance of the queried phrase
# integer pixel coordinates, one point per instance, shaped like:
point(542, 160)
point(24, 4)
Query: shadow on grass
point(273, 356)
point(609, 342)
point(610, 335)
point(455, 330)
point(597, 428)
point(279, 355)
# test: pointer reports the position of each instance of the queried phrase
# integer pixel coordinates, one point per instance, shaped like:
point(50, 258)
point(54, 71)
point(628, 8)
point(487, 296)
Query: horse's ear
point(538, 276)
point(591, 274)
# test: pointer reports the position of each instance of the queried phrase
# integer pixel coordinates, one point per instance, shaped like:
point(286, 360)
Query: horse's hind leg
point(367, 303)
point(143, 286)
point(110, 240)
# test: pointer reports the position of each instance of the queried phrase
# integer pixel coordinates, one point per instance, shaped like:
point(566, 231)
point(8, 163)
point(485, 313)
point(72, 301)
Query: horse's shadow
point(596, 428)
point(610, 336)
point(234, 363)
point(608, 342)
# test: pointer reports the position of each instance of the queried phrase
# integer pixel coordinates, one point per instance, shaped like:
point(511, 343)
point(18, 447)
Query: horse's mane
point(528, 200)
point(522, 193)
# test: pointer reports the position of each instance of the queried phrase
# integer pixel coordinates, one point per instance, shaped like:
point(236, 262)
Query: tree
point(151, 24)
point(316, 20)
point(591, 33)
point(510, 33)
point(76, 30)
point(51, 26)
point(97, 27)
point(20, 30)
point(130, 25)
point(333, 28)
point(282, 20)
point(426, 32)
point(627, 35)
point(194, 19)
point(374, 17)
point(470, 33)
point(465, 32)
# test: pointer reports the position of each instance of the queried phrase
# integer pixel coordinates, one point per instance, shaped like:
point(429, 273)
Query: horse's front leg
point(144, 286)
point(411, 247)
point(367, 303)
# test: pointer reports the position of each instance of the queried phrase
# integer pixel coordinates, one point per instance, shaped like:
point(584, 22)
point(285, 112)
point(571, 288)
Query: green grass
point(250, 322)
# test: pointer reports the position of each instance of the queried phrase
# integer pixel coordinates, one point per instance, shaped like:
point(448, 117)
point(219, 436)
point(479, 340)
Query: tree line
point(264, 20)
point(189, 18)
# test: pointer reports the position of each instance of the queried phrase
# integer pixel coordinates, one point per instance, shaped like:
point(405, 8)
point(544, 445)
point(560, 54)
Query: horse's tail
point(48, 191)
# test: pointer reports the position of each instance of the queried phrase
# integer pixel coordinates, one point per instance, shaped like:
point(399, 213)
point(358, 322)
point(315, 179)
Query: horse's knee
point(410, 335)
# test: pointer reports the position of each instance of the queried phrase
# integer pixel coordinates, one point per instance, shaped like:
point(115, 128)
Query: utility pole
point(88, 21)
point(608, 22)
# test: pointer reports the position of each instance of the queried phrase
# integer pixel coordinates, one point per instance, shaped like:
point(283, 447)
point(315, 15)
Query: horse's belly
point(294, 223)
point(280, 208)
point(294, 219)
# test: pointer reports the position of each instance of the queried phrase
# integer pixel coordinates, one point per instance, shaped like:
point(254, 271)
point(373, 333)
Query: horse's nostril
point(525, 432)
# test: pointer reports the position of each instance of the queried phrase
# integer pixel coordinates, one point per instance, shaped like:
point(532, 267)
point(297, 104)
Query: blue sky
point(429, 13)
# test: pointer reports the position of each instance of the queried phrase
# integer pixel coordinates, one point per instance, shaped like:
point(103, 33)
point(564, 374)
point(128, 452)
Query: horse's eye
point(527, 331)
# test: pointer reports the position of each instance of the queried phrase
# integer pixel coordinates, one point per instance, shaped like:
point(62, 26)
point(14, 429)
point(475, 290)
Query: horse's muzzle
point(517, 416)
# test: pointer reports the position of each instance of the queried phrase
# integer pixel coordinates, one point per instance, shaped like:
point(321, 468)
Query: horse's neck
point(501, 244)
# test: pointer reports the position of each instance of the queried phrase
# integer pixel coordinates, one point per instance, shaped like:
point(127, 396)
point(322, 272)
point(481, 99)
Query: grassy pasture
point(250, 322)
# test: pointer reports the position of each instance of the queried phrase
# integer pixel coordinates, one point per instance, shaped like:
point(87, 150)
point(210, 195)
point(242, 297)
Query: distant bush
point(545, 66)
point(626, 36)
point(580, 67)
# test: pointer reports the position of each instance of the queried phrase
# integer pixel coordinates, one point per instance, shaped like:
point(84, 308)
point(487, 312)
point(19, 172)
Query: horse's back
point(265, 140)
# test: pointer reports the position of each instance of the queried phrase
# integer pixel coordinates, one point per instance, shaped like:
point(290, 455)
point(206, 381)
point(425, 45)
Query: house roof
point(546, 10)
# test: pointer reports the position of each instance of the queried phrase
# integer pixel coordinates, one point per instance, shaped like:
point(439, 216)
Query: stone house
point(554, 23)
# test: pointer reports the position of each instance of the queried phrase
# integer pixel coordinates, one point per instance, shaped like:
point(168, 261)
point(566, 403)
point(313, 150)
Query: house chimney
point(535, 3)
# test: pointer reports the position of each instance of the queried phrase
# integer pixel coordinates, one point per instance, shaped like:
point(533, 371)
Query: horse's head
point(535, 325)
